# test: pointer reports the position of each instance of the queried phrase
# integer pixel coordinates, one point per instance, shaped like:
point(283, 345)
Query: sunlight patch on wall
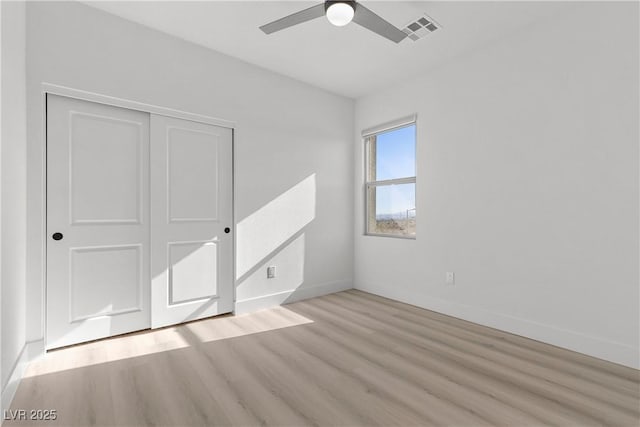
point(262, 232)
point(290, 261)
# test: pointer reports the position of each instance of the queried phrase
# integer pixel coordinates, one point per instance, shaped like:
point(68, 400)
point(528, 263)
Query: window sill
point(394, 236)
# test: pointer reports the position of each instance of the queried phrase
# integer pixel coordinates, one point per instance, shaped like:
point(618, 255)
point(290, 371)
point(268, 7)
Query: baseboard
point(592, 346)
point(29, 351)
point(266, 301)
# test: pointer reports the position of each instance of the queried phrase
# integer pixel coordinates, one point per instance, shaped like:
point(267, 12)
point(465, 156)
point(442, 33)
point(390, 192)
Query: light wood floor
point(344, 359)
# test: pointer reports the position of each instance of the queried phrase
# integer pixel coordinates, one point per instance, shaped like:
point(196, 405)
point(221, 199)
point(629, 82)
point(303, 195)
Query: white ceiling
point(351, 60)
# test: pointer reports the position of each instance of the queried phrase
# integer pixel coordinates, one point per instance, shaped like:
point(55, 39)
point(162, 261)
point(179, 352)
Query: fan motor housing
point(328, 3)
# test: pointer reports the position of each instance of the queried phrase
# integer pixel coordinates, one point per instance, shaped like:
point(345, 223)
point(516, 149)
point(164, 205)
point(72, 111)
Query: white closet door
point(97, 221)
point(191, 221)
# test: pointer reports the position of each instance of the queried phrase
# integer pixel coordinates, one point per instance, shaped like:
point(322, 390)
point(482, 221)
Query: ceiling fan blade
point(297, 18)
point(373, 22)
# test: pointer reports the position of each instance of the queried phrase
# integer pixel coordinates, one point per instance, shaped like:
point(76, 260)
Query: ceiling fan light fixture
point(340, 13)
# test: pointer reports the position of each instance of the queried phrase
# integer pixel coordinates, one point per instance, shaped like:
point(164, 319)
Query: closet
point(139, 220)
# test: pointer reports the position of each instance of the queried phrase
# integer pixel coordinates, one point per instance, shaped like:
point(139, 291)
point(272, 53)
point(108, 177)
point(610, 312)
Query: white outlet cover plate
point(450, 278)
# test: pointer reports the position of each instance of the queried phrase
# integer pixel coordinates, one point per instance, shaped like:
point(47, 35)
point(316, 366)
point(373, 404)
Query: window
point(391, 179)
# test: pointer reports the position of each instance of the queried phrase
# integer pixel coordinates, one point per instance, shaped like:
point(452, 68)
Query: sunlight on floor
point(149, 342)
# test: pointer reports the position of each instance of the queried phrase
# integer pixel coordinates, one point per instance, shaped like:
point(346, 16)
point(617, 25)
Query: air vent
point(421, 27)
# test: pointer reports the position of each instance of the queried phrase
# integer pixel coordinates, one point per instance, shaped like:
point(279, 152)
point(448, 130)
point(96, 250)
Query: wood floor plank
point(613, 396)
point(429, 409)
point(589, 400)
point(548, 410)
point(443, 386)
point(497, 341)
point(346, 359)
point(573, 398)
point(264, 401)
point(368, 405)
point(613, 369)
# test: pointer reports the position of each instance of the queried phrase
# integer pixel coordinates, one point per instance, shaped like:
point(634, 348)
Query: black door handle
point(227, 230)
point(57, 236)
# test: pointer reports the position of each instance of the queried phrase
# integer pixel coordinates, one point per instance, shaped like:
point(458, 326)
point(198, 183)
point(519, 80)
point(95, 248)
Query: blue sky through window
point(395, 158)
point(396, 153)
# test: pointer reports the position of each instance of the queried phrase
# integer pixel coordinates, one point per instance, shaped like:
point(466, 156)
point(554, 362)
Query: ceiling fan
point(339, 13)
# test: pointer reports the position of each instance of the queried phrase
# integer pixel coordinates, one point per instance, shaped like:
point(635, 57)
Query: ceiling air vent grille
point(421, 27)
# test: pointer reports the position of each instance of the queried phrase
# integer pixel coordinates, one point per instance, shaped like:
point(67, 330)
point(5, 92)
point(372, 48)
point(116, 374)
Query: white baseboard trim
point(29, 351)
point(592, 346)
point(35, 349)
point(266, 301)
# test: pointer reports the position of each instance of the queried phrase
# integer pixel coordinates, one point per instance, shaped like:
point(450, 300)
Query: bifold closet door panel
point(191, 220)
point(98, 221)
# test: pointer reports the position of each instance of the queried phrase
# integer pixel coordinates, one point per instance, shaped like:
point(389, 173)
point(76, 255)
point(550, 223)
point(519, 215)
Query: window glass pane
point(392, 154)
point(392, 209)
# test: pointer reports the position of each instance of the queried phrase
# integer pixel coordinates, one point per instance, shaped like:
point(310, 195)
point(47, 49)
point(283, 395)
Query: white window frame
point(366, 135)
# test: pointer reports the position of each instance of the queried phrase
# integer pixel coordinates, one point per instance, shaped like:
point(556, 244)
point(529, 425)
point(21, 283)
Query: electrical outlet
point(450, 278)
point(271, 272)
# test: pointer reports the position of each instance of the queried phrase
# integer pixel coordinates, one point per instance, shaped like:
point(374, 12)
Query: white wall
point(13, 183)
point(287, 133)
point(527, 185)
